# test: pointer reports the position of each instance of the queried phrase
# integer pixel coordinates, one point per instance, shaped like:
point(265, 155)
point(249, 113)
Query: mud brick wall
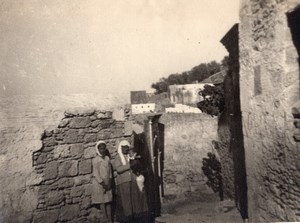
point(188, 139)
point(65, 164)
point(269, 83)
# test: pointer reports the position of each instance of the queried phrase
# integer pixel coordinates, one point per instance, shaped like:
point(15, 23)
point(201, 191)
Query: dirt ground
point(199, 207)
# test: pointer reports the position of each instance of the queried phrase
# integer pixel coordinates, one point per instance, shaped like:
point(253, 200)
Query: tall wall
point(232, 149)
point(188, 139)
point(269, 83)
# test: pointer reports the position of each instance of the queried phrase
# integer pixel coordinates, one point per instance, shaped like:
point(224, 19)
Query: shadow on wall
point(293, 22)
point(212, 170)
point(233, 121)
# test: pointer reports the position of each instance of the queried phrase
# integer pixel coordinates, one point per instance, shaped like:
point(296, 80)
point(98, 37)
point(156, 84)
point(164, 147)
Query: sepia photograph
point(149, 111)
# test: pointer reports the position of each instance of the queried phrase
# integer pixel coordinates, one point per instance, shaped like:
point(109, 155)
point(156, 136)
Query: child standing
point(101, 181)
point(136, 169)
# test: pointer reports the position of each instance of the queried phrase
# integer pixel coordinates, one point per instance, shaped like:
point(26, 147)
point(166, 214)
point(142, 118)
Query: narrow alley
point(199, 207)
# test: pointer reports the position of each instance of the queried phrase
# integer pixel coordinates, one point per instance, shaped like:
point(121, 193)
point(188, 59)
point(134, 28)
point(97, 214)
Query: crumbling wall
point(188, 139)
point(65, 164)
point(22, 120)
point(269, 83)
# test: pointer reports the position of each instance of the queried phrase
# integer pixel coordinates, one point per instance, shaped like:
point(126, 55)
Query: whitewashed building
point(180, 108)
point(143, 108)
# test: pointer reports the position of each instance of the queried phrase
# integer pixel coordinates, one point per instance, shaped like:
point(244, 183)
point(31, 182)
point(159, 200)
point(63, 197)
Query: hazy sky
point(110, 47)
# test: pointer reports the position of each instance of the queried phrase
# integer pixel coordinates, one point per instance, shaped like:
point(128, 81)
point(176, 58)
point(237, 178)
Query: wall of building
point(180, 108)
point(269, 83)
point(22, 121)
point(161, 101)
point(143, 108)
point(138, 97)
point(188, 139)
point(185, 93)
point(231, 146)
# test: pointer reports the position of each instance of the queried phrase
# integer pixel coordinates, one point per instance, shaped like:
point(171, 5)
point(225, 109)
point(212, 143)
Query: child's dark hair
point(136, 166)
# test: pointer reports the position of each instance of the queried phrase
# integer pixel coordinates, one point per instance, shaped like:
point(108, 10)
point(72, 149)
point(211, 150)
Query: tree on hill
point(197, 73)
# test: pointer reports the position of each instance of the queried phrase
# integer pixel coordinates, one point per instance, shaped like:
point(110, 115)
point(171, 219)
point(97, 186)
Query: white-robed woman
point(101, 180)
point(131, 198)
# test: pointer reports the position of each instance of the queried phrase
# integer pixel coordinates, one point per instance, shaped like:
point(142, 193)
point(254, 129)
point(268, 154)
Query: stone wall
point(22, 120)
point(188, 139)
point(269, 82)
point(65, 165)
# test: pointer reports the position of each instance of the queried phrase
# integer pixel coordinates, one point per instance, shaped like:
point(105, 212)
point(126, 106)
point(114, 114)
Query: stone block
point(68, 168)
point(93, 117)
point(45, 189)
point(63, 123)
point(128, 128)
point(54, 198)
point(59, 137)
point(76, 200)
point(104, 115)
point(65, 183)
point(77, 150)
point(106, 124)
point(90, 138)
point(95, 123)
point(88, 189)
point(79, 180)
point(80, 122)
point(116, 132)
point(62, 151)
point(51, 170)
point(49, 216)
point(69, 212)
point(79, 112)
point(104, 135)
point(118, 114)
point(71, 136)
point(89, 152)
point(48, 133)
point(49, 142)
point(86, 202)
point(42, 158)
point(77, 191)
point(85, 167)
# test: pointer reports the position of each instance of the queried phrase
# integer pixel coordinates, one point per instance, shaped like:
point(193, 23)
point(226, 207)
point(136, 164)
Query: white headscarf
point(98, 143)
point(122, 157)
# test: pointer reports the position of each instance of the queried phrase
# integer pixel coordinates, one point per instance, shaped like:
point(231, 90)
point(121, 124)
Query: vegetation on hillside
point(197, 73)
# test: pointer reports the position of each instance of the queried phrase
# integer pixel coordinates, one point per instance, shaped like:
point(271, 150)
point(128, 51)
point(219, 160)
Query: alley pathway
point(199, 207)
